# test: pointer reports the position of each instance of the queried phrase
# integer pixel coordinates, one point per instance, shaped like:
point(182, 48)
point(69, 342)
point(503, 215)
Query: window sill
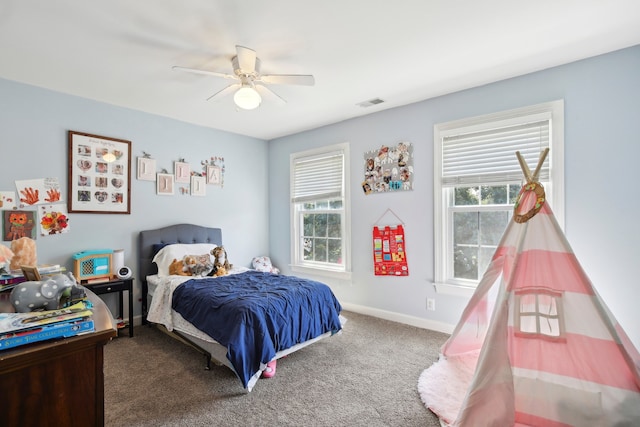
point(341, 275)
point(455, 290)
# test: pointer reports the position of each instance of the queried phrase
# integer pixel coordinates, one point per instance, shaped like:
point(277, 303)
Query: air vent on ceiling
point(369, 103)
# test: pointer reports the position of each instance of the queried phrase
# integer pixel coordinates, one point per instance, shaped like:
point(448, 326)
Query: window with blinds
point(319, 200)
point(318, 177)
point(488, 157)
point(478, 177)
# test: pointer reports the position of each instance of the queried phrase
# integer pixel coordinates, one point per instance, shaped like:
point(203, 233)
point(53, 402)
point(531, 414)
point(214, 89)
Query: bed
point(258, 316)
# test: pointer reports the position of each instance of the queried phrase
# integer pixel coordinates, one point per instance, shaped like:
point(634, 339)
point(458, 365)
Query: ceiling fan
point(250, 84)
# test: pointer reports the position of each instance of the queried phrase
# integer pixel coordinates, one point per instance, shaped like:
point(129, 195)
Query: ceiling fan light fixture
point(247, 98)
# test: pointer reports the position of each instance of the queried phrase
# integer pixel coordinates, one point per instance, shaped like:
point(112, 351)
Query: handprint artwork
point(31, 196)
point(38, 191)
point(53, 195)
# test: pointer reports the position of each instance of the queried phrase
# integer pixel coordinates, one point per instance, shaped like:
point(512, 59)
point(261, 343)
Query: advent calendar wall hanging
point(388, 169)
point(389, 251)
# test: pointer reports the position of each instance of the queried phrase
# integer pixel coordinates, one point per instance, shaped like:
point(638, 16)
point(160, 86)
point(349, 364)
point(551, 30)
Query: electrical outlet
point(431, 304)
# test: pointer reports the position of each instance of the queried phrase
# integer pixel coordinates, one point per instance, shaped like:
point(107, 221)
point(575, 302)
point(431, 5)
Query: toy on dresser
point(24, 253)
point(56, 292)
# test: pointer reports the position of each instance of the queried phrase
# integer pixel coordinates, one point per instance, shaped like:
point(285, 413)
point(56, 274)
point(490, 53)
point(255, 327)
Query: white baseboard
point(382, 314)
point(400, 318)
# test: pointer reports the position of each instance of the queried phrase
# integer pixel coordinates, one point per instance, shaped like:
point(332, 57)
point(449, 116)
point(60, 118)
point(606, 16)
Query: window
point(319, 211)
point(477, 179)
point(538, 314)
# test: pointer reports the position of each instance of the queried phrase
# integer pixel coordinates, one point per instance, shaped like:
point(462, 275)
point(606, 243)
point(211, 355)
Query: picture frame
point(214, 175)
point(165, 184)
point(182, 172)
point(198, 186)
point(30, 273)
point(146, 169)
point(99, 178)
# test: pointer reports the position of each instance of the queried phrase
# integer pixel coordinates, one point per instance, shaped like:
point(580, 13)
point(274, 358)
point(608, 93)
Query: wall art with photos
point(99, 174)
point(388, 169)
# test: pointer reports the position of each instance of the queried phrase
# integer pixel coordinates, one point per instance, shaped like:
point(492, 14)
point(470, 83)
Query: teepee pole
point(543, 156)
point(524, 167)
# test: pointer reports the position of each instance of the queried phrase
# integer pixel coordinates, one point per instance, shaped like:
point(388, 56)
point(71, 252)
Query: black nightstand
point(117, 285)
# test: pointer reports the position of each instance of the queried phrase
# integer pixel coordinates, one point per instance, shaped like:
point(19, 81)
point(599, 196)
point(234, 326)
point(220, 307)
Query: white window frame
point(299, 265)
point(554, 188)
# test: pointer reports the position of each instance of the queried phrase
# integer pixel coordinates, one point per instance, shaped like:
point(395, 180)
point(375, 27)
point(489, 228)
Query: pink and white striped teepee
point(536, 345)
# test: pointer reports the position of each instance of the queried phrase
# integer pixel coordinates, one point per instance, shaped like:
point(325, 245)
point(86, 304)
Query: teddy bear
point(177, 268)
point(221, 264)
point(24, 253)
point(263, 263)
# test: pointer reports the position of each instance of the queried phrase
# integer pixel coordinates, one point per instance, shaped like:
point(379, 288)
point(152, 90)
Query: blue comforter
point(256, 314)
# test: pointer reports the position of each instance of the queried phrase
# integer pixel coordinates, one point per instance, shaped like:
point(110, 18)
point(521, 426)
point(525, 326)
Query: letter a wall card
point(389, 253)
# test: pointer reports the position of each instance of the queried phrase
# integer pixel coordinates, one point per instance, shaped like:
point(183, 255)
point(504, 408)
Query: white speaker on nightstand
point(120, 270)
point(124, 273)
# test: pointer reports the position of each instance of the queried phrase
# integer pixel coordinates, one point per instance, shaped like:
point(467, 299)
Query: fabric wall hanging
point(389, 251)
point(388, 169)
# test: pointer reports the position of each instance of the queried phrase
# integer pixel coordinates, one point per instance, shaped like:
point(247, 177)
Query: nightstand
point(117, 285)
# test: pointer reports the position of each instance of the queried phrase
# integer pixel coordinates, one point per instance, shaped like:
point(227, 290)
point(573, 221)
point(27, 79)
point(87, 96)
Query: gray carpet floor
point(366, 376)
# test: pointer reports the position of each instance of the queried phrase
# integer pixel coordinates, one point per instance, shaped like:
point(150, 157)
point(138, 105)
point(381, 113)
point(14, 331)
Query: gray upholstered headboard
point(179, 233)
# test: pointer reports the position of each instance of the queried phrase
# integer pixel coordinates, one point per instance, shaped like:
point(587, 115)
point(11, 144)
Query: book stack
point(11, 279)
point(18, 329)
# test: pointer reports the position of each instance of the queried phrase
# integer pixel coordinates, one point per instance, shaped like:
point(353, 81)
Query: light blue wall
point(33, 135)
point(602, 151)
point(602, 108)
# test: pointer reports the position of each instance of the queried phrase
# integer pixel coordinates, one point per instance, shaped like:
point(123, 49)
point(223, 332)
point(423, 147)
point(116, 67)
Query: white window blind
point(318, 177)
point(488, 157)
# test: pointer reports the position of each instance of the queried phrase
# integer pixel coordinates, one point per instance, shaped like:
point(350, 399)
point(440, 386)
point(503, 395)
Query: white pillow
point(166, 255)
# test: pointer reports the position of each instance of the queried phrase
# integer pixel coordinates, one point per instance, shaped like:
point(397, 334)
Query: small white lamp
point(247, 98)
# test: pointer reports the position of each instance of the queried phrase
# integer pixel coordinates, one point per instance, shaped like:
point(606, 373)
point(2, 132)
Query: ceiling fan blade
point(224, 92)
point(206, 72)
point(246, 59)
point(288, 79)
point(270, 95)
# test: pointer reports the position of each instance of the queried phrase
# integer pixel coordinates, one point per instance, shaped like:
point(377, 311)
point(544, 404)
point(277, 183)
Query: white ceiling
point(402, 51)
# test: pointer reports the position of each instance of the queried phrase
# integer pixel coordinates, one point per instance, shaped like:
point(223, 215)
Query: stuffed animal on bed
point(177, 268)
point(221, 264)
point(198, 265)
point(263, 263)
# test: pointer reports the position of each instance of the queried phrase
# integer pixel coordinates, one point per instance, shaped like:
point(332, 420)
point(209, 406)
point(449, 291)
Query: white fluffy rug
point(444, 384)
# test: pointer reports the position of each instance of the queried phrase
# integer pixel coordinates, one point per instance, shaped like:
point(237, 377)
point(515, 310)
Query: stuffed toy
point(177, 268)
point(198, 265)
point(263, 263)
point(24, 253)
point(221, 264)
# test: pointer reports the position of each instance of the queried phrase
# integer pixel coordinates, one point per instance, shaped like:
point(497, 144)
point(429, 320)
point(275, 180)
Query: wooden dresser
point(58, 382)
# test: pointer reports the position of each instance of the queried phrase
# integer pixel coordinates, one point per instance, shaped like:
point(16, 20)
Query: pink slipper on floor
point(270, 370)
